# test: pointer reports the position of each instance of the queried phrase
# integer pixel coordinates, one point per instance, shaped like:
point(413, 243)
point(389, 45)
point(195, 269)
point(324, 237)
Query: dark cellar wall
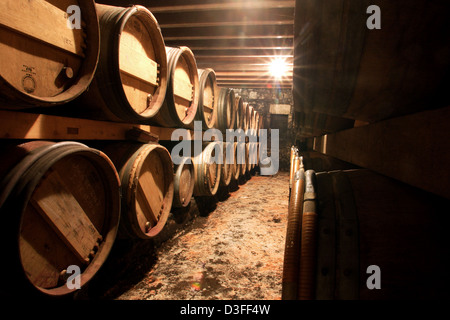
point(261, 99)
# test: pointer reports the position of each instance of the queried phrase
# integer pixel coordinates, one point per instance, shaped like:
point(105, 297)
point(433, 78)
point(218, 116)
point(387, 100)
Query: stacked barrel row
point(64, 203)
point(356, 234)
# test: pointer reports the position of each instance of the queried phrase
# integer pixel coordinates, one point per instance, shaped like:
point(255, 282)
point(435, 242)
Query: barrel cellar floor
point(233, 252)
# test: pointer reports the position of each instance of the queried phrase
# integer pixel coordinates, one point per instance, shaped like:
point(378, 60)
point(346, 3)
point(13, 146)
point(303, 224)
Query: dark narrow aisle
point(235, 252)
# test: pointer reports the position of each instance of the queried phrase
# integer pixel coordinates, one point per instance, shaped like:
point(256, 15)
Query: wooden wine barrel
point(241, 157)
point(182, 96)
point(131, 79)
point(226, 110)
point(253, 154)
point(183, 183)
point(237, 166)
point(254, 120)
point(248, 117)
point(227, 165)
point(240, 115)
point(206, 171)
point(260, 124)
point(146, 175)
point(208, 96)
point(61, 205)
point(365, 220)
point(258, 146)
point(371, 74)
point(248, 165)
point(44, 62)
point(246, 120)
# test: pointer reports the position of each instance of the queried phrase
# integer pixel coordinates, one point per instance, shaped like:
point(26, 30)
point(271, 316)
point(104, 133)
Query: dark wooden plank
point(247, 51)
point(245, 75)
point(43, 254)
point(64, 214)
point(371, 75)
point(217, 44)
point(234, 16)
point(219, 6)
point(220, 66)
point(229, 31)
point(413, 149)
point(23, 125)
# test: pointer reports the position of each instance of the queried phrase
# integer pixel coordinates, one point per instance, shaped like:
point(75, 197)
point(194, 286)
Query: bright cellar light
point(278, 68)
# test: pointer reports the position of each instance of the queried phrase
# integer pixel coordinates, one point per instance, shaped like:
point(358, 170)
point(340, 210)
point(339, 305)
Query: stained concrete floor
point(227, 247)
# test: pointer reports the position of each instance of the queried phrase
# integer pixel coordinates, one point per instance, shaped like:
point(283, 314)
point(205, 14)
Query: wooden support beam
point(246, 76)
point(241, 59)
point(256, 74)
point(180, 39)
point(226, 16)
point(261, 58)
point(221, 6)
point(413, 149)
point(244, 81)
point(225, 44)
point(256, 85)
point(216, 32)
point(202, 24)
point(220, 66)
point(243, 51)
